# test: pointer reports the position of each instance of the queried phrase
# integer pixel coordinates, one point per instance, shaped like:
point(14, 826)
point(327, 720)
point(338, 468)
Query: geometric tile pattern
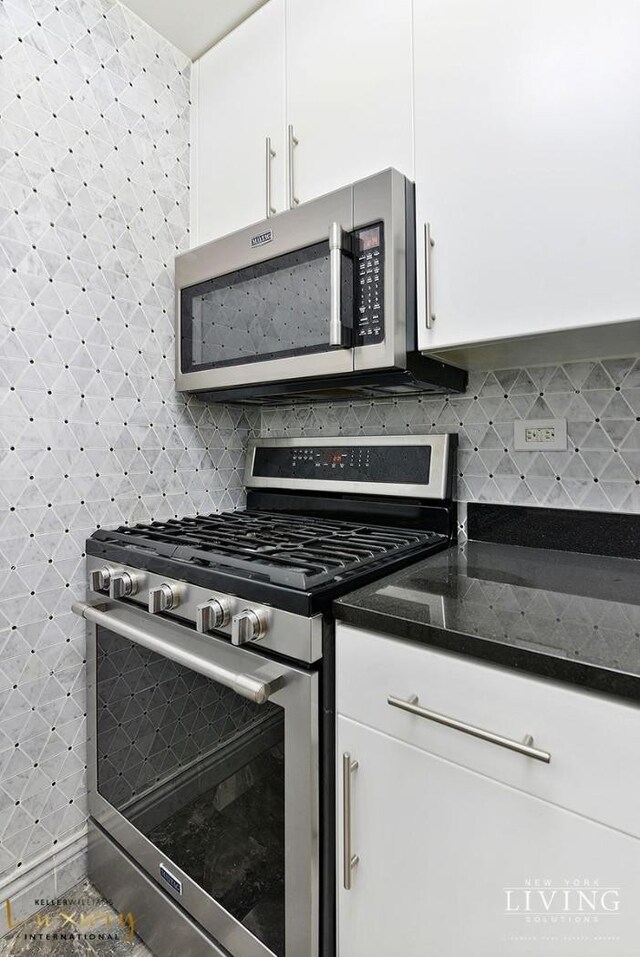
point(155, 717)
point(600, 401)
point(93, 207)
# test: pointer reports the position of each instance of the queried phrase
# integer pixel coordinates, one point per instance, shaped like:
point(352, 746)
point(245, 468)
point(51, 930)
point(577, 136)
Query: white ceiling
point(193, 25)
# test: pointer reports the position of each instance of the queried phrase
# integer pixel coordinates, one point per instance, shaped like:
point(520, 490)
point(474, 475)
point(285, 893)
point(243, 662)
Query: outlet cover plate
point(534, 435)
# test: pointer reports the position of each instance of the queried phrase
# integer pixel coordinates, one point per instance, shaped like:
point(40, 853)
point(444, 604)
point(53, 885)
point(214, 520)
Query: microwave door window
point(266, 311)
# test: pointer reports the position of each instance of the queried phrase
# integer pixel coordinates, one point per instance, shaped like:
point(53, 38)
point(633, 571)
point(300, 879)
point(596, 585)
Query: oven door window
point(270, 310)
point(199, 771)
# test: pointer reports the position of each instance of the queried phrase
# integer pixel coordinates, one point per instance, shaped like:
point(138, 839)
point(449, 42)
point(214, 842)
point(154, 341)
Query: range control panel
point(373, 464)
point(369, 283)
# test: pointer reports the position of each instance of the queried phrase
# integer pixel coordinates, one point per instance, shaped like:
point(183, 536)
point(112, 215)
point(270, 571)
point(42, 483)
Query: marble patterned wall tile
point(600, 470)
point(94, 204)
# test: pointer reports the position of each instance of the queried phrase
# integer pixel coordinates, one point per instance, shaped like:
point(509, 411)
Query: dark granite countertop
point(564, 615)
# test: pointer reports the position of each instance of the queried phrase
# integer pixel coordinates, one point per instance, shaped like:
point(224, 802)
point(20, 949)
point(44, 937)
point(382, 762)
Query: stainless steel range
point(211, 689)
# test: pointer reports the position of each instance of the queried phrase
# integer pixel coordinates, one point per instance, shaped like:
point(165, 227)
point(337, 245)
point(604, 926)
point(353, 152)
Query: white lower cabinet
point(454, 864)
point(593, 739)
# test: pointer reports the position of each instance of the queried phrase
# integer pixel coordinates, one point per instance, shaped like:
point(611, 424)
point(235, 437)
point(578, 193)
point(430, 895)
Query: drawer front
point(593, 741)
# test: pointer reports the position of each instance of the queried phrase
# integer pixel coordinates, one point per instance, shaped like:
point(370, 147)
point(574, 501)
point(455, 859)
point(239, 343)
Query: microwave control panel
point(369, 283)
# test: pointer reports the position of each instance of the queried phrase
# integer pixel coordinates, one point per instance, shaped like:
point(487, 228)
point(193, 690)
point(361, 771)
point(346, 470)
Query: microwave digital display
point(369, 238)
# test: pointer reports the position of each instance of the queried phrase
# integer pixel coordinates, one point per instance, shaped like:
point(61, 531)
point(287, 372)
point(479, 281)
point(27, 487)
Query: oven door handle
point(245, 685)
point(337, 333)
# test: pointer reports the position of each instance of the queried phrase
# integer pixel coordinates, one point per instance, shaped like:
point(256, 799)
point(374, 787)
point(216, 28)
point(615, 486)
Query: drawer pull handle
point(349, 859)
point(522, 747)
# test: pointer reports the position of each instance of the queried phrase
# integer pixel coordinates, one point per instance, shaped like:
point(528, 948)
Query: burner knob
point(248, 625)
point(99, 579)
point(163, 598)
point(212, 614)
point(123, 585)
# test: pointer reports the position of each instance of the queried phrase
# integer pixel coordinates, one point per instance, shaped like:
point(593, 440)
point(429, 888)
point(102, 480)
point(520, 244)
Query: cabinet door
point(453, 864)
point(527, 157)
point(238, 101)
point(348, 91)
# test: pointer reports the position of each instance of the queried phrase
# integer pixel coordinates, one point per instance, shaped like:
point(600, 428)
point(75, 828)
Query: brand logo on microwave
point(262, 238)
point(169, 879)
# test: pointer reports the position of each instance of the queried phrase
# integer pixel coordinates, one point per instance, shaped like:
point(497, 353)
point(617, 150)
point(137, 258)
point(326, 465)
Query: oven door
point(204, 769)
point(269, 303)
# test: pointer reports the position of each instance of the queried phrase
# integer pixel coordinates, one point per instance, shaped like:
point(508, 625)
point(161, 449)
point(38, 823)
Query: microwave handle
point(336, 329)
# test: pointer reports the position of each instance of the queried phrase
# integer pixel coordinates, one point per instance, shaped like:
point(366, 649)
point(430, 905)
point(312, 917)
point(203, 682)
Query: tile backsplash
point(93, 206)
point(600, 401)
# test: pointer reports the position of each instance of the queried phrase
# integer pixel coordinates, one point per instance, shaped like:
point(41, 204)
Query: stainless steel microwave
point(318, 301)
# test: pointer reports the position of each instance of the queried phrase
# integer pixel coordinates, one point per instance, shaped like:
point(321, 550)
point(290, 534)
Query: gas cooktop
point(297, 551)
point(324, 516)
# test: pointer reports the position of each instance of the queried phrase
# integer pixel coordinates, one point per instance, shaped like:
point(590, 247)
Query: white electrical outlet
point(547, 434)
point(539, 435)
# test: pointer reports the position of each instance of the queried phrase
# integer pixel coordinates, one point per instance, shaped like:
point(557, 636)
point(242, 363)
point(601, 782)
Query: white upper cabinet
point(238, 101)
point(520, 123)
point(348, 91)
point(338, 74)
point(527, 160)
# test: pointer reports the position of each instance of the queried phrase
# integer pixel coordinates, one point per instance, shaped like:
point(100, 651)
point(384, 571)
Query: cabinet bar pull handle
point(270, 154)
point(293, 142)
point(522, 747)
point(349, 860)
point(428, 245)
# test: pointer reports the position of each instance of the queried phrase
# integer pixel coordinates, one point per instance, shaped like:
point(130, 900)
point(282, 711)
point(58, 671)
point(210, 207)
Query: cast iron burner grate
point(295, 550)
